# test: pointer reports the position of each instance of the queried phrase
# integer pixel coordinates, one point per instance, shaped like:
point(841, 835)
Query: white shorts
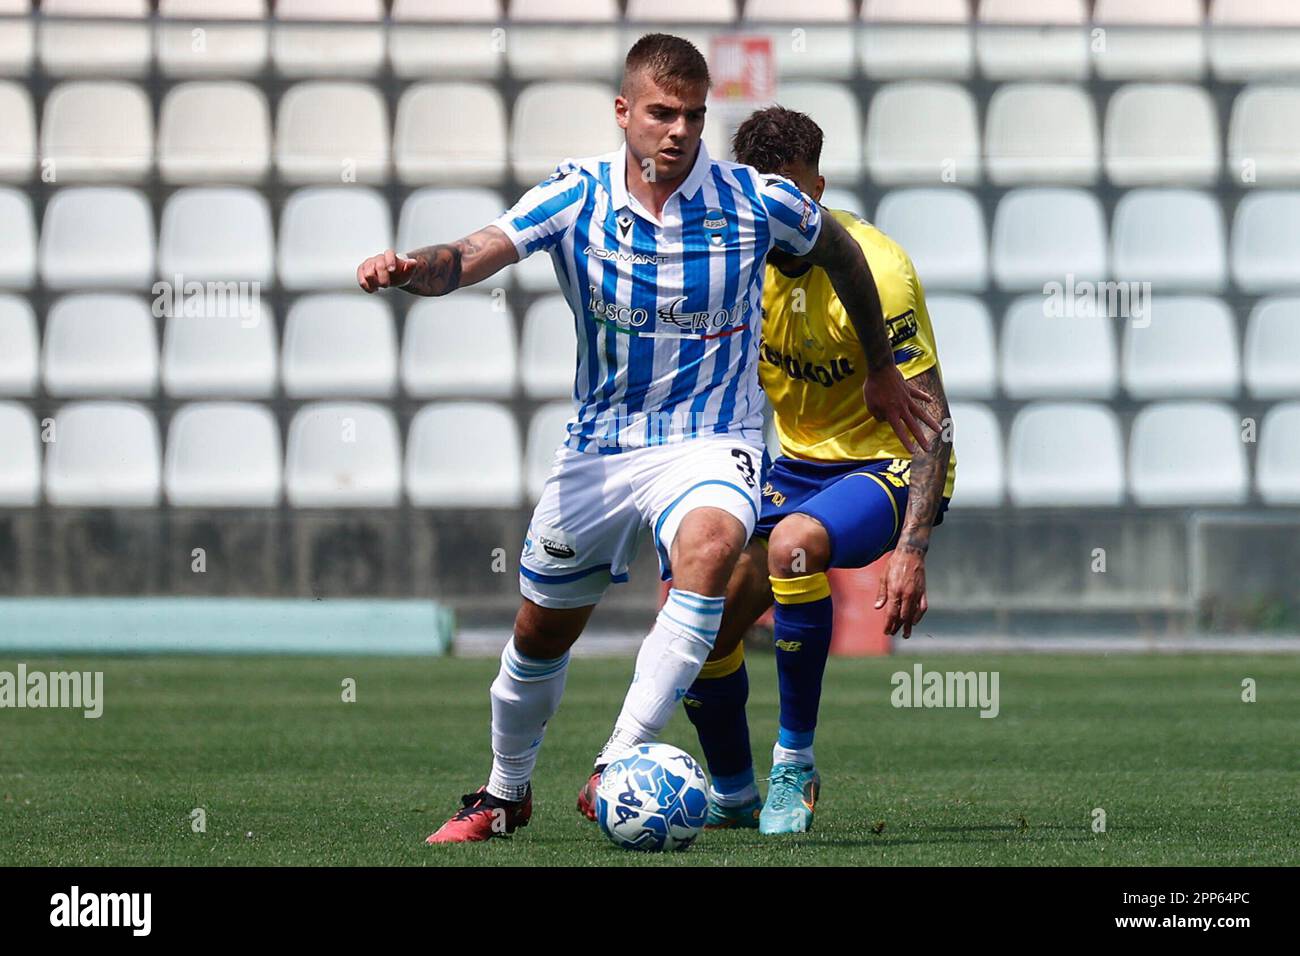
point(584, 530)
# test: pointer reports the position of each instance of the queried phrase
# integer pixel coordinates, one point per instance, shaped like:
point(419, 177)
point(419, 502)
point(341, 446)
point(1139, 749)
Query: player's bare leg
point(748, 596)
point(703, 553)
point(525, 696)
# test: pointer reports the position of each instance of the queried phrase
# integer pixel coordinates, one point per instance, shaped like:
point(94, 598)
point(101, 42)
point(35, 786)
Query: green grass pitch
point(288, 773)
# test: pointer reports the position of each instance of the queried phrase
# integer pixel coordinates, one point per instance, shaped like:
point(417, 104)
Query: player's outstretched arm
point(889, 397)
point(902, 586)
point(437, 270)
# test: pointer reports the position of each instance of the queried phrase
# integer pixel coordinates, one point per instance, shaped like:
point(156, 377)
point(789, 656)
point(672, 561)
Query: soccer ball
point(654, 799)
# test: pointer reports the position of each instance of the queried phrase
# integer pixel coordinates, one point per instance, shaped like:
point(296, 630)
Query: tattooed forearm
point(438, 269)
point(929, 470)
point(851, 278)
point(449, 266)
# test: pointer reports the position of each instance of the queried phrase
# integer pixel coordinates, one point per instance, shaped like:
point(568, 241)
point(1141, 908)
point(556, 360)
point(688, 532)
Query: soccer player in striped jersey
point(843, 492)
point(659, 250)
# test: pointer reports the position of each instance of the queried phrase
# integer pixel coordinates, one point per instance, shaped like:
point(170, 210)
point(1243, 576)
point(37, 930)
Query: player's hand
point(892, 398)
point(902, 591)
point(388, 270)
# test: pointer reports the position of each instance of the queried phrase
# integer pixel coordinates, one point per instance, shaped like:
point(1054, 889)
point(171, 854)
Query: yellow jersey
point(812, 364)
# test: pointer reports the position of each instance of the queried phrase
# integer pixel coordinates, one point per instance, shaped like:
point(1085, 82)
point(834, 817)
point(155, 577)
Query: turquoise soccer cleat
point(744, 817)
point(791, 797)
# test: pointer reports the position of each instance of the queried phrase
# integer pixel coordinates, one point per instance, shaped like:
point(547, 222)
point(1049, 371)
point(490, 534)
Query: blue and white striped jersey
point(668, 312)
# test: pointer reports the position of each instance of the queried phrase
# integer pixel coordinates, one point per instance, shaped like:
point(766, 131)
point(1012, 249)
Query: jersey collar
point(686, 189)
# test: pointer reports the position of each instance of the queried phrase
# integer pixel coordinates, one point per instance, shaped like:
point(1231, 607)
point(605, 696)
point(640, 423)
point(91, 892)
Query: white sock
point(525, 696)
point(738, 799)
point(667, 664)
point(803, 757)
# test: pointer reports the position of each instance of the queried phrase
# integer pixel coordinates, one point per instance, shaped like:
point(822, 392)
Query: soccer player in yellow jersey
point(843, 492)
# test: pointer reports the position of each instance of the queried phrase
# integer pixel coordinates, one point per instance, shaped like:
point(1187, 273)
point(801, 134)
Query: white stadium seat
point(556, 121)
point(20, 466)
point(1187, 453)
point(445, 438)
point(680, 11)
point(100, 131)
point(1266, 241)
point(835, 108)
point(1148, 39)
point(341, 344)
point(963, 334)
point(1044, 235)
point(825, 47)
point(432, 215)
point(1172, 238)
point(104, 454)
point(95, 47)
point(223, 455)
point(457, 41)
point(460, 345)
point(97, 236)
point(17, 38)
point(943, 232)
point(219, 48)
point(1045, 38)
point(332, 132)
point(697, 23)
point(423, 152)
point(351, 43)
point(923, 132)
point(1056, 356)
point(1065, 454)
point(1041, 133)
point(964, 337)
point(844, 199)
point(100, 344)
point(325, 233)
point(977, 443)
point(217, 233)
point(546, 432)
point(538, 48)
point(1188, 350)
point(17, 133)
point(1162, 134)
point(904, 39)
point(17, 240)
point(548, 354)
point(1277, 470)
point(1254, 38)
point(1272, 361)
point(19, 346)
point(214, 132)
point(343, 455)
point(221, 353)
point(1264, 136)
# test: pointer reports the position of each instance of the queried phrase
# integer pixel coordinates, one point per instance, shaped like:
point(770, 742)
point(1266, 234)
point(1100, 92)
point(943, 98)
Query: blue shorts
point(861, 504)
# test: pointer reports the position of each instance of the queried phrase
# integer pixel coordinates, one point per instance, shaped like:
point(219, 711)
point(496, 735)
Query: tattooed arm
point(902, 586)
point(889, 397)
point(437, 270)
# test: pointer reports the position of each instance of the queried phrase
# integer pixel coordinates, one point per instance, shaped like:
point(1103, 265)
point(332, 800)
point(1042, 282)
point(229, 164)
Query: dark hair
point(673, 63)
point(770, 138)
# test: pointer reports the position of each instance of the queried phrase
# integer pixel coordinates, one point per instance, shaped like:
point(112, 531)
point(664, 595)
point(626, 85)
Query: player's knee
point(707, 545)
point(798, 545)
point(544, 633)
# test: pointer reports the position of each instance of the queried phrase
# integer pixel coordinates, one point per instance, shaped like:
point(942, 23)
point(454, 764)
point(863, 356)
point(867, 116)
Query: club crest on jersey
point(714, 223)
